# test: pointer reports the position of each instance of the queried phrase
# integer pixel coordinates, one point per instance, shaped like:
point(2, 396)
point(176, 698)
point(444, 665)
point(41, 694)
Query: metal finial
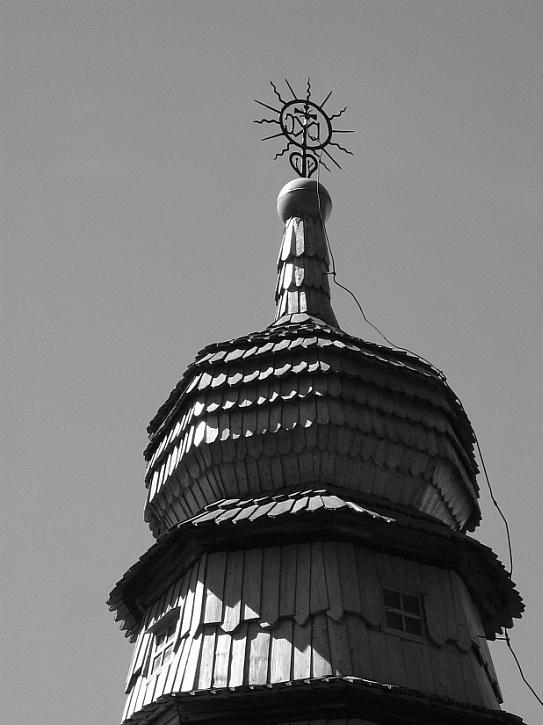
point(307, 127)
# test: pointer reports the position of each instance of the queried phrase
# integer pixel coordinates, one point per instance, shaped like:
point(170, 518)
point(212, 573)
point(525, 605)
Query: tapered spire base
point(303, 265)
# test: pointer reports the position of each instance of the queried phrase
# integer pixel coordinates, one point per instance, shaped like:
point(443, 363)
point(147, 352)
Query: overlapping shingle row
point(303, 403)
point(302, 271)
point(486, 577)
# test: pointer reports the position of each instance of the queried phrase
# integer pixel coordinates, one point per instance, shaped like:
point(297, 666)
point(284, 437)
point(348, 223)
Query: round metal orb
point(299, 198)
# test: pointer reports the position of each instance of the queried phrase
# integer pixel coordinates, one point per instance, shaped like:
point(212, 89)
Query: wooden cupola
point(310, 494)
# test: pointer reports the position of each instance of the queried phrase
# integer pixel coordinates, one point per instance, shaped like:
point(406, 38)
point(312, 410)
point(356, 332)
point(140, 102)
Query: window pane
point(394, 620)
point(392, 599)
point(413, 626)
point(167, 652)
point(410, 604)
point(156, 662)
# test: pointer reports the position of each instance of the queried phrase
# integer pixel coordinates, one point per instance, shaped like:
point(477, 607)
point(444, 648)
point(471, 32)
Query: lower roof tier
point(331, 700)
point(304, 403)
point(261, 611)
point(302, 516)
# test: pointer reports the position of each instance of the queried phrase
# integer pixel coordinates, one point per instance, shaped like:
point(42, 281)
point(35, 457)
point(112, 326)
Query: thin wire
point(483, 464)
point(333, 274)
point(496, 504)
point(519, 666)
point(506, 636)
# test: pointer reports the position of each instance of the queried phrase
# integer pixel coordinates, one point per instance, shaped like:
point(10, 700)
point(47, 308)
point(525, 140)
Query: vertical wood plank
point(378, 654)
point(301, 665)
point(371, 596)
point(320, 646)
point(463, 635)
point(319, 594)
point(456, 684)
point(189, 677)
point(348, 577)
point(232, 590)
point(168, 685)
point(207, 658)
point(140, 695)
point(149, 690)
point(359, 646)
point(181, 602)
point(281, 652)
point(252, 581)
point(448, 606)
point(198, 596)
point(161, 680)
point(271, 563)
point(428, 659)
point(189, 602)
point(222, 659)
point(435, 618)
point(303, 575)
point(339, 648)
point(237, 664)
point(214, 587)
point(395, 660)
point(258, 644)
point(333, 586)
point(182, 657)
point(440, 666)
point(412, 670)
point(287, 584)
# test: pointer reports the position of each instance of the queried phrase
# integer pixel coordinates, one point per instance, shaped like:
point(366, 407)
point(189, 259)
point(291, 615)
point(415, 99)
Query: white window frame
point(410, 588)
point(171, 620)
point(403, 613)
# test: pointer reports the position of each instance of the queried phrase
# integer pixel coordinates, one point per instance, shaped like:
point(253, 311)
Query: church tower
point(310, 494)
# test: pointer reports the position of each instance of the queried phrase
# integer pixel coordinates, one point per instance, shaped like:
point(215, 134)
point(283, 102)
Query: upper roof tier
point(304, 403)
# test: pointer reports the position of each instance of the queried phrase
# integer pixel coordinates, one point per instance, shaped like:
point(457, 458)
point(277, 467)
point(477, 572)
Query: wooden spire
point(303, 265)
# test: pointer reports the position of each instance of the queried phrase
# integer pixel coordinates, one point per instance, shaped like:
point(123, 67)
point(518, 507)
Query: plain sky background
point(140, 225)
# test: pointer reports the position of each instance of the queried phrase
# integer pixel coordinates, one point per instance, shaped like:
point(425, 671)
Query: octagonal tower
point(310, 493)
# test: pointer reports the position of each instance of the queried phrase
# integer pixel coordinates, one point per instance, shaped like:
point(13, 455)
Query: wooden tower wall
point(269, 615)
point(300, 480)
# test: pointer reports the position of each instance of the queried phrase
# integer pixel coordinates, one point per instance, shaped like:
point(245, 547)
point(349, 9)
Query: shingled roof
point(302, 514)
point(306, 386)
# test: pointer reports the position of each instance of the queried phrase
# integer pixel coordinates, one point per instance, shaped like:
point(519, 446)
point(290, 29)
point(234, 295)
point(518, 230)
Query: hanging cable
point(496, 504)
point(333, 274)
point(519, 666)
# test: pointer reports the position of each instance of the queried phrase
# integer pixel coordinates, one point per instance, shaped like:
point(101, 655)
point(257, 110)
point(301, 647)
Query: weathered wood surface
point(302, 272)
point(304, 403)
point(319, 613)
point(329, 721)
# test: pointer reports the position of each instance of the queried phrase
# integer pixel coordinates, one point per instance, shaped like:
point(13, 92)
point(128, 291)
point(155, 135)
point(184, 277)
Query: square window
point(403, 612)
point(164, 640)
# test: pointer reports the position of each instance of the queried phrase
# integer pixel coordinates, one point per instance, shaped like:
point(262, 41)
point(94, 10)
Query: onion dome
point(304, 405)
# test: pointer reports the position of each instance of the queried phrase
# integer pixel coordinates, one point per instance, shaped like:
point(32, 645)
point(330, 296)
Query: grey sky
point(141, 226)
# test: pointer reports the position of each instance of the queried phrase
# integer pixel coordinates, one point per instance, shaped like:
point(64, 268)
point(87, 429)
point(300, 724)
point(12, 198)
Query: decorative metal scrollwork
point(307, 128)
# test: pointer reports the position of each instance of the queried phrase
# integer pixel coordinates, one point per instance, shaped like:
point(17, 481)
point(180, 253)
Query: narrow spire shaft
point(302, 272)
point(303, 205)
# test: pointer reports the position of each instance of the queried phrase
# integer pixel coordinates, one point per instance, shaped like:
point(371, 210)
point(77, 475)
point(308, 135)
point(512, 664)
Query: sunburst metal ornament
point(307, 127)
